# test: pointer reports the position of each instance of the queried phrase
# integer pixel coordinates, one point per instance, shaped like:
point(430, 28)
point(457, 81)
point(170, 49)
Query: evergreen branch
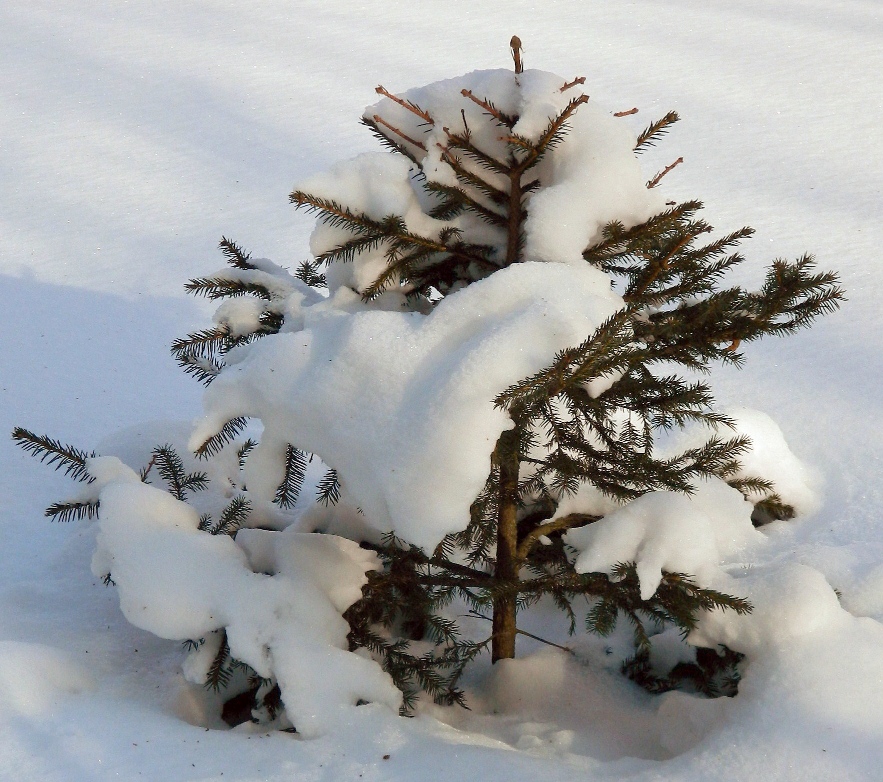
point(227, 433)
point(504, 119)
point(661, 263)
point(655, 131)
point(392, 550)
point(235, 255)
point(243, 452)
point(218, 288)
point(328, 489)
point(68, 511)
point(716, 248)
point(448, 207)
point(603, 352)
point(412, 107)
point(617, 240)
point(205, 370)
point(397, 269)
point(308, 272)
point(713, 328)
point(380, 121)
point(386, 141)
point(204, 344)
point(295, 471)
point(171, 470)
point(495, 194)
point(346, 252)
point(232, 517)
point(52, 452)
point(552, 134)
point(218, 676)
point(463, 142)
point(336, 215)
point(459, 196)
point(751, 485)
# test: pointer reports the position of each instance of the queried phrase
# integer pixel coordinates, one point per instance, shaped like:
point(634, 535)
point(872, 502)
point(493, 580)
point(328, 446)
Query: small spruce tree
point(589, 417)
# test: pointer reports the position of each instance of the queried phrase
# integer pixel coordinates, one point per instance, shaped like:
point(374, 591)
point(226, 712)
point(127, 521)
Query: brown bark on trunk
point(504, 626)
point(506, 452)
point(514, 227)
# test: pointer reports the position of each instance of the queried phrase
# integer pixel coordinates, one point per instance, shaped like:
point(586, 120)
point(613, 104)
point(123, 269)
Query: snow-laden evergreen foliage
point(493, 332)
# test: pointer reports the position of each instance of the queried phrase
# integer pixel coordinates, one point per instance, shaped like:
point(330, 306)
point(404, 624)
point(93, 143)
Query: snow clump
point(279, 594)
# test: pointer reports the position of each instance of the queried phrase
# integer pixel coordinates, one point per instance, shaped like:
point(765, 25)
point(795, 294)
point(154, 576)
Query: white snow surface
point(135, 135)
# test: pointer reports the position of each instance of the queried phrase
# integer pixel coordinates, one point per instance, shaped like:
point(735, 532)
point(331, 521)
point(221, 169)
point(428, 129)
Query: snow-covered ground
point(135, 134)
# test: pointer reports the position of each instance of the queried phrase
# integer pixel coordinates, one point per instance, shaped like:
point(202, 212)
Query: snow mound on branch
point(279, 595)
point(379, 185)
point(769, 457)
point(673, 532)
point(592, 178)
point(401, 404)
point(801, 675)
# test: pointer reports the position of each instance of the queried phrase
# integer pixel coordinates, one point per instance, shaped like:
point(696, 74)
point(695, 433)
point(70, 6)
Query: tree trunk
point(504, 627)
point(506, 452)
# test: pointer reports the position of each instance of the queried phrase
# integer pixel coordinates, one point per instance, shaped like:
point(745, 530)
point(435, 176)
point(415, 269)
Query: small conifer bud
point(515, 45)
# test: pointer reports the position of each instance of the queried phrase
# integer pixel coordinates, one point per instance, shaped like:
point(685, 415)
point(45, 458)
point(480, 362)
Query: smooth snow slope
point(133, 135)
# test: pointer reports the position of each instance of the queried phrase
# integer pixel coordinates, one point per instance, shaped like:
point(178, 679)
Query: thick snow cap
point(401, 403)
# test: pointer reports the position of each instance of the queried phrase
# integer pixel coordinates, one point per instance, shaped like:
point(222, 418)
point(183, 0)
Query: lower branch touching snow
point(279, 595)
point(665, 531)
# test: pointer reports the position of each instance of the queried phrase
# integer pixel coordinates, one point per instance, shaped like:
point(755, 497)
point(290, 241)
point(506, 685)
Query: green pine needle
point(54, 453)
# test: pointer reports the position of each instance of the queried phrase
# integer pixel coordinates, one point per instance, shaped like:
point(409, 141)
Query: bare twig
point(380, 121)
point(503, 119)
point(424, 115)
point(577, 80)
point(528, 635)
point(146, 471)
point(625, 113)
point(655, 181)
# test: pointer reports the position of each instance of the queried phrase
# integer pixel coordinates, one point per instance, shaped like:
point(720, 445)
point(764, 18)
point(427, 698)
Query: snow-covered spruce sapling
point(483, 350)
